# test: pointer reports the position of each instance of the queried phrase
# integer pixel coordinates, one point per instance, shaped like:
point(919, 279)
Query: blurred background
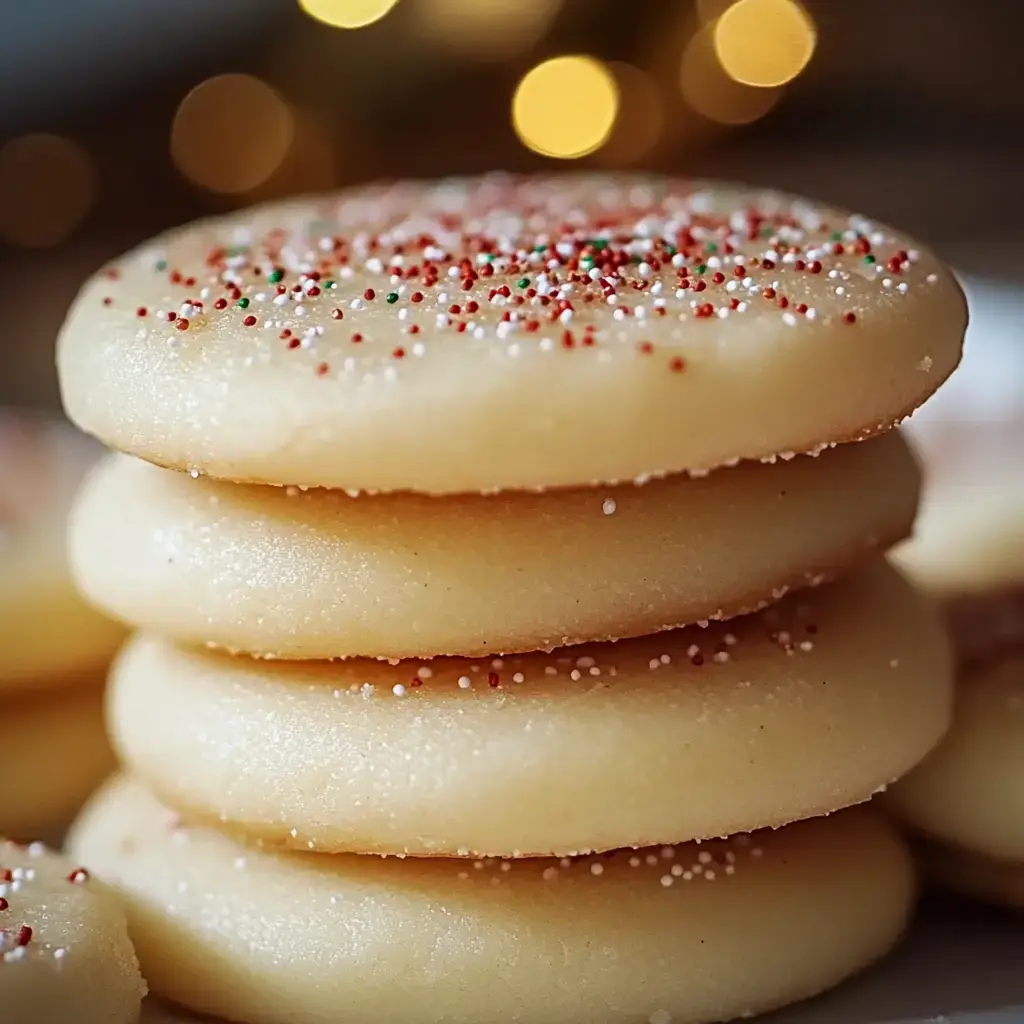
point(122, 117)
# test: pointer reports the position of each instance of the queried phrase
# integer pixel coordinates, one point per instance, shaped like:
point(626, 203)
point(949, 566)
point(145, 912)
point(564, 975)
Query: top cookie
point(494, 333)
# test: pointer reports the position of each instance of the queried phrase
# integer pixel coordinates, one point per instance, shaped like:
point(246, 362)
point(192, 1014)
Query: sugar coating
point(691, 733)
point(318, 574)
point(65, 954)
point(700, 932)
point(500, 332)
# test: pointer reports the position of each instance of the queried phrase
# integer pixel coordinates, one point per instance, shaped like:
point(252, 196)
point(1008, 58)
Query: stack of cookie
point(54, 649)
point(427, 451)
point(965, 802)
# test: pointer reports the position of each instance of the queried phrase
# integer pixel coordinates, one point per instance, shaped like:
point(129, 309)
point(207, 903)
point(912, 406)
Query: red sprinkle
point(336, 314)
point(24, 935)
point(249, 321)
point(78, 876)
point(850, 318)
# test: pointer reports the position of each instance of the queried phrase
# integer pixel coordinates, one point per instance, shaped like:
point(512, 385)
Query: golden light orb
point(347, 13)
point(231, 132)
point(764, 43)
point(566, 107)
point(712, 93)
point(47, 186)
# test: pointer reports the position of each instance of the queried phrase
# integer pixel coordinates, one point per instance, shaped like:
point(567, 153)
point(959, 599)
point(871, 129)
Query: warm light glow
point(230, 133)
point(709, 10)
point(712, 93)
point(490, 29)
point(764, 43)
point(47, 185)
point(641, 119)
point(347, 13)
point(311, 164)
point(565, 107)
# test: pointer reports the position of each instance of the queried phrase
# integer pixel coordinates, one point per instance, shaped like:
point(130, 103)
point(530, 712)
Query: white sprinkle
point(597, 869)
point(398, 690)
point(465, 682)
point(609, 506)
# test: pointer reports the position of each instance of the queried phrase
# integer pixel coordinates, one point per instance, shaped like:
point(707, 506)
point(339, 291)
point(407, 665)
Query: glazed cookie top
point(500, 332)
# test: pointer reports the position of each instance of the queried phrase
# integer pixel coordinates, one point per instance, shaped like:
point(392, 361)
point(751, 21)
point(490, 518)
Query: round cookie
point(65, 954)
point(46, 629)
point(811, 705)
point(508, 333)
point(687, 934)
point(970, 791)
point(970, 874)
point(320, 574)
point(56, 753)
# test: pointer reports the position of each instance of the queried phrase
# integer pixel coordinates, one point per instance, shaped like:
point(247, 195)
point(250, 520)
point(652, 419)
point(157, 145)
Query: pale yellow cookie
point(970, 874)
point(65, 955)
point(55, 753)
point(318, 574)
point(809, 706)
point(496, 333)
point(970, 791)
point(689, 934)
point(46, 629)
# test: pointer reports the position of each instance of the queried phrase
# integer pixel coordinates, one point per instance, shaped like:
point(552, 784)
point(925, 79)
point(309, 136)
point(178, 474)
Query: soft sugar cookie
point(46, 629)
point(55, 752)
point(811, 705)
point(970, 791)
point(65, 954)
point(970, 874)
point(500, 333)
point(689, 934)
point(319, 574)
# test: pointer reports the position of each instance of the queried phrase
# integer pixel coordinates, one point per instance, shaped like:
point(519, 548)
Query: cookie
point(689, 933)
point(970, 791)
point(65, 954)
point(508, 333)
point(991, 881)
point(46, 629)
point(56, 753)
point(808, 706)
point(320, 574)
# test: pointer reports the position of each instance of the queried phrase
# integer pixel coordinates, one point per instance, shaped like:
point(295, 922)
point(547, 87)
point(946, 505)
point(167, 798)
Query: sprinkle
point(608, 507)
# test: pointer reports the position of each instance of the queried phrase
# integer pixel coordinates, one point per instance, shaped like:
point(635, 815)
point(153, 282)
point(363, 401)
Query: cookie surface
point(56, 753)
point(689, 933)
point(689, 734)
point(970, 791)
point(504, 333)
point(319, 574)
point(65, 954)
point(46, 629)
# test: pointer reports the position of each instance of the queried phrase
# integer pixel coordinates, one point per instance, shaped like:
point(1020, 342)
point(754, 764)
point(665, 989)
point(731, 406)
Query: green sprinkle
point(598, 243)
point(671, 250)
point(523, 282)
point(711, 247)
point(869, 258)
point(161, 265)
point(244, 303)
point(330, 284)
point(836, 236)
point(275, 275)
point(636, 260)
point(701, 267)
point(392, 297)
point(539, 248)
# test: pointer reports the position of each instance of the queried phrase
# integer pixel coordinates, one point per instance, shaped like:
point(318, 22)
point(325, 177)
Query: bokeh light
point(764, 43)
point(487, 29)
point(709, 10)
point(47, 186)
point(311, 163)
point(712, 93)
point(641, 120)
point(347, 13)
point(565, 107)
point(231, 132)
